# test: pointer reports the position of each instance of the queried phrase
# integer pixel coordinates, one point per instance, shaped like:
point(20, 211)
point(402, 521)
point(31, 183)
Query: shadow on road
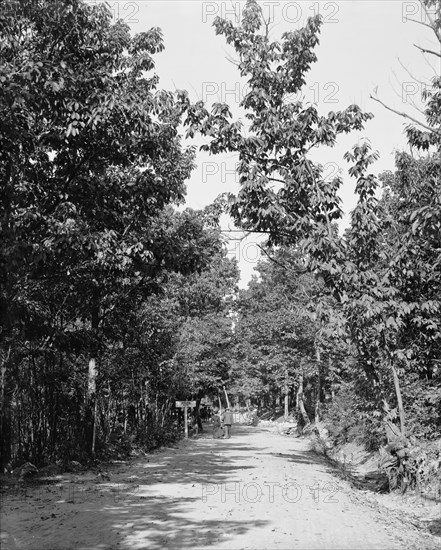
point(160, 522)
point(301, 457)
point(152, 502)
point(154, 516)
point(158, 501)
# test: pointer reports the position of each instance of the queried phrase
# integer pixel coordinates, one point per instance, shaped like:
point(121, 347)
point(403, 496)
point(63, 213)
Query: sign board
point(181, 404)
point(184, 405)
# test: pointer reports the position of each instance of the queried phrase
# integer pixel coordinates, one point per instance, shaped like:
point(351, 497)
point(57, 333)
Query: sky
point(365, 45)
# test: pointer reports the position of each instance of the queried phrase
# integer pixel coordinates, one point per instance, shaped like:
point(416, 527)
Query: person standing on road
point(227, 422)
point(218, 431)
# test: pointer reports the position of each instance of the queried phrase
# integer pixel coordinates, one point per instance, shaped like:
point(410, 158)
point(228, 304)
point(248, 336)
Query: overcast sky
point(361, 46)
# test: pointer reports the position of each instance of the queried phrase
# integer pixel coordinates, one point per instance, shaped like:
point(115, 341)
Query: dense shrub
point(348, 419)
point(423, 407)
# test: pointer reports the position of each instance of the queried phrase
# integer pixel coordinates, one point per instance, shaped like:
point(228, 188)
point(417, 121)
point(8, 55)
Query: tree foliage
point(91, 164)
point(114, 303)
point(283, 193)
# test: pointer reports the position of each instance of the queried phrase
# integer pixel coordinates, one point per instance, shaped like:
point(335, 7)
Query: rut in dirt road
point(258, 490)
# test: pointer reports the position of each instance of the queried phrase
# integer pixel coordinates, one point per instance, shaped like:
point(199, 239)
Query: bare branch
point(231, 59)
point(424, 50)
point(276, 180)
point(408, 99)
point(261, 232)
point(403, 114)
point(399, 82)
point(411, 75)
point(420, 22)
point(428, 62)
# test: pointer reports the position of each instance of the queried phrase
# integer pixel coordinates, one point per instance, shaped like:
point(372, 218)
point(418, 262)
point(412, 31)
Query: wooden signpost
point(184, 405)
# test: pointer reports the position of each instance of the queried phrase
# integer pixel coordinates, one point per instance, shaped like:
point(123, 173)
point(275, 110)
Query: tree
point(413, 246)
point(206, 335)
point(282, 191)
point(282, 346)
point(284, 195)
point(91, 158)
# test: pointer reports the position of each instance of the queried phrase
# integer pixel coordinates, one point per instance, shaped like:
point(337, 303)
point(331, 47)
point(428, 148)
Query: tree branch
point(410, 99)
point(411, 75)
point(424, 50)
point(420, 22)
point(271, 258)
point(433, 24)
point(402, 114)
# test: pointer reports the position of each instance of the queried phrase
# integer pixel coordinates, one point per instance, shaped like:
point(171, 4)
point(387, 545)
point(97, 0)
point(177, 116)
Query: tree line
point(115, 300)
point(381, 278)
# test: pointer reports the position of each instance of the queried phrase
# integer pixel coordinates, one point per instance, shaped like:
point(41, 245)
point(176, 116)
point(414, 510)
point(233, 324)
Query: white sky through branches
point(365, 45)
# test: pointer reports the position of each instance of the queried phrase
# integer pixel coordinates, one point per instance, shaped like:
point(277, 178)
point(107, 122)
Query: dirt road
point(258, 490)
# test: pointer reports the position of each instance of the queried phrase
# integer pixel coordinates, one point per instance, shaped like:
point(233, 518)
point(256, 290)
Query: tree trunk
point(197, 415)
point(317, 401)
point(5, 414)
point(300, 403)
point(286, 389)
point(91, 379)
point(226, 397)
point(399, 399)
point(91, 406)
point(94, 426)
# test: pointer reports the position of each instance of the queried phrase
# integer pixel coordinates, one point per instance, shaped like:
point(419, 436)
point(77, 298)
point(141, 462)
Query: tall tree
point(90, 158)
point(283, 193)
